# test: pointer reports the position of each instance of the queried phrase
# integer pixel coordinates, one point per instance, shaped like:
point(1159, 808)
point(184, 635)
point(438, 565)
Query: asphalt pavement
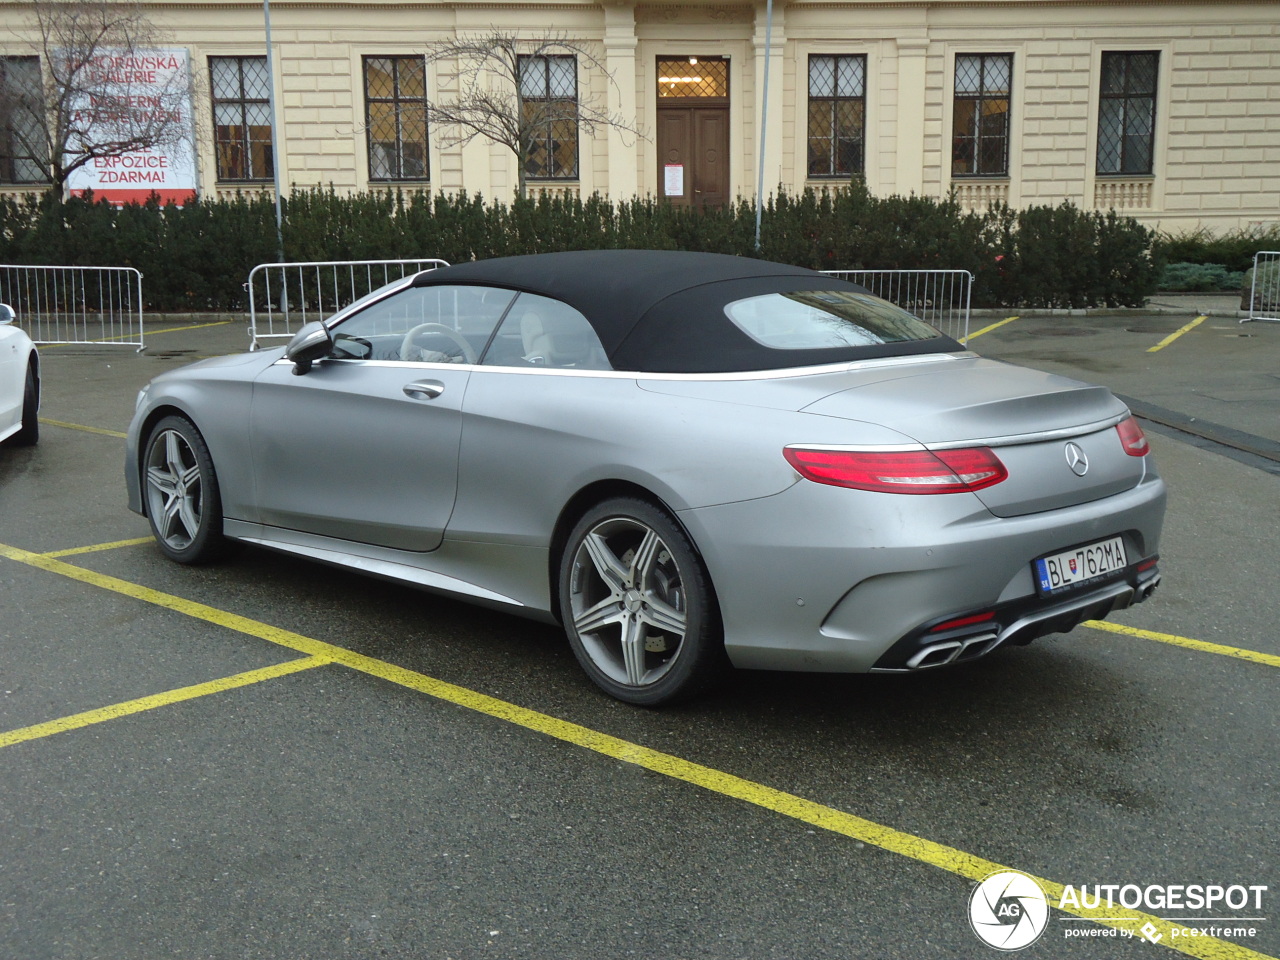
point(268, 758)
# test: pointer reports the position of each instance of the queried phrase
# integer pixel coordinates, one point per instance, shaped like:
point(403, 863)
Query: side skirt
point(424, 570)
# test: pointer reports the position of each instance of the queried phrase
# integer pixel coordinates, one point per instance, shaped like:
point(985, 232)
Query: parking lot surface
point(268, 758)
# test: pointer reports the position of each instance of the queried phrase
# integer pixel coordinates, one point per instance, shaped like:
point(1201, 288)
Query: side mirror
point(313, 342)
point(6, 314)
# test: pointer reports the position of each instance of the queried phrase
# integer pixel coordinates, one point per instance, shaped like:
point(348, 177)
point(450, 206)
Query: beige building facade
point(1166, 111)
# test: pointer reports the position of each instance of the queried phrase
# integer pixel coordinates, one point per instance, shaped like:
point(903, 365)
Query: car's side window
point(444, 324)
point(541, 332)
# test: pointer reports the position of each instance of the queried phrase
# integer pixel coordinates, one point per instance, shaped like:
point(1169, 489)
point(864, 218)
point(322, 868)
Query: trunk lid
point(1028, 417)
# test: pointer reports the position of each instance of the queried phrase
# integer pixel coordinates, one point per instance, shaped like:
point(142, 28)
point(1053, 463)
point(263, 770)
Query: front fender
point(215, 395)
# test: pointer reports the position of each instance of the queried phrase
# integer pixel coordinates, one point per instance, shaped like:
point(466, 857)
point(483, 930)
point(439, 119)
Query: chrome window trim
point(362, 304)
point(737, 376)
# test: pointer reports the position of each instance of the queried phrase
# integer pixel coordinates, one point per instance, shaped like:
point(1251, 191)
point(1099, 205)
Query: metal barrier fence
point(1264, 292)
point(284, 296)
point(75, 304)
point(939, 297)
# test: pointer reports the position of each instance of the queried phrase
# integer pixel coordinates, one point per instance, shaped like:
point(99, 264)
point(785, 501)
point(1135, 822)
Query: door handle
point(424, 389)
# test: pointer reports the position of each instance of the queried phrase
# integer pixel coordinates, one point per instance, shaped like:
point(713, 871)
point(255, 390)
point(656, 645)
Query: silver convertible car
point(688, 460)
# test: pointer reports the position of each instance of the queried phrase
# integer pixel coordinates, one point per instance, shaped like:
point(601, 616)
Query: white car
point(19, 383)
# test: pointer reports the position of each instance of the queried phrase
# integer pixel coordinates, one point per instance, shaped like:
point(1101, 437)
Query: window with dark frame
point(549, 101)
point(395, 91)
point(24, 146)
point(980, 114)
point(837, 115)
point(241, 118)
point(1127, 112)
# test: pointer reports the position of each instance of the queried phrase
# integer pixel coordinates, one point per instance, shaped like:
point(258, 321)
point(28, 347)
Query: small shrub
point(1199, 278)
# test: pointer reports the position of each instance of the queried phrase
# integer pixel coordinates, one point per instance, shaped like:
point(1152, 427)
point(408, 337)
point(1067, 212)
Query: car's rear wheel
point(183, 504)
point(29, 433)
point(638, 605)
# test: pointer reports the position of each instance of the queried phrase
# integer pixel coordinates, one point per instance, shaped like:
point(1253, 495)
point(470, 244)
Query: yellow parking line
point(83, 428)
point(116, 710)
point(99, 547)
point(1176, 334)
point(994, 326)
point(194, 326)
point(1240, 653)
point(146, 333)
point(950, 859)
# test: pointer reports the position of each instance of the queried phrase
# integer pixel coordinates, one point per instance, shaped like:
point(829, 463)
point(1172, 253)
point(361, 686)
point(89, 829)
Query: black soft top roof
point(611, 288)
point(662, 310)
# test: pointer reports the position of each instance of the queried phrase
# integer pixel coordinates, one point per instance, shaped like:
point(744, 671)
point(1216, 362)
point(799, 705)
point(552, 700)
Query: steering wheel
point(468, 354)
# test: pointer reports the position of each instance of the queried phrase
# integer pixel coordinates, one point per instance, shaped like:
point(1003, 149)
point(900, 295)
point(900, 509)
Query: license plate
point(1080, 564)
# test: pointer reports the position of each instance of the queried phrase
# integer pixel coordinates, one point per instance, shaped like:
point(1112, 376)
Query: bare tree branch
point(489, 100)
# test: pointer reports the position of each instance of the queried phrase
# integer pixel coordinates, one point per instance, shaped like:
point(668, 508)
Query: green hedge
point(1232, 250)
point(198, 257)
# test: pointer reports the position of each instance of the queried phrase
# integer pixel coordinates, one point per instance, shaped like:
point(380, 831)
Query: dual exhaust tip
point(979, 644)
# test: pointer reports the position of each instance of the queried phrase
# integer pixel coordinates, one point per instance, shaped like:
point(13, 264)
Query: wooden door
point(693, 154)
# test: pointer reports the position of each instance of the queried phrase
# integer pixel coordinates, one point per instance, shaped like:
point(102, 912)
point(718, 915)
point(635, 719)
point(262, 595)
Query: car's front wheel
point(638, 605)
point(183, 503)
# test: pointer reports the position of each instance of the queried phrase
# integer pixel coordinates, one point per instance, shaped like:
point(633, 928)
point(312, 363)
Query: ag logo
point(1008, 911)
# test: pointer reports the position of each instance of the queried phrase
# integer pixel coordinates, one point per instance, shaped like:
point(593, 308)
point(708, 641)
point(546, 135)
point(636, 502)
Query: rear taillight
point(902, 471)
point(1132, 438)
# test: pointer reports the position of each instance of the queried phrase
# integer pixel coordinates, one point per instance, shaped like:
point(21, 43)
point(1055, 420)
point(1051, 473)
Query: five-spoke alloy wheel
point(638, 606)
point(182, 492)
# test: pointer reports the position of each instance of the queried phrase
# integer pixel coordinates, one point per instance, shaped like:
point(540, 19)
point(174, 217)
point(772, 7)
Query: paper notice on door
point(673, 180)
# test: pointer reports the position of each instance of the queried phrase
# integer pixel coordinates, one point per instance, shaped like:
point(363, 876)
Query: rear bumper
point(1019, 622)
point(825, 579)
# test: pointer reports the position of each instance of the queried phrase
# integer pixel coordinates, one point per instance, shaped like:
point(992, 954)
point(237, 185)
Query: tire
point(638, 606)
point(29, 433)
point(180, 489)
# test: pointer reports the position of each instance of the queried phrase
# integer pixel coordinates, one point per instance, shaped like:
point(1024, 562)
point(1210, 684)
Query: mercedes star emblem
point(1076, 460)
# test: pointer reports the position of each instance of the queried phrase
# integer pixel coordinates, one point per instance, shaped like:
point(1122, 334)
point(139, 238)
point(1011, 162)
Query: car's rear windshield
point(772, 322)
point(824, 320)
